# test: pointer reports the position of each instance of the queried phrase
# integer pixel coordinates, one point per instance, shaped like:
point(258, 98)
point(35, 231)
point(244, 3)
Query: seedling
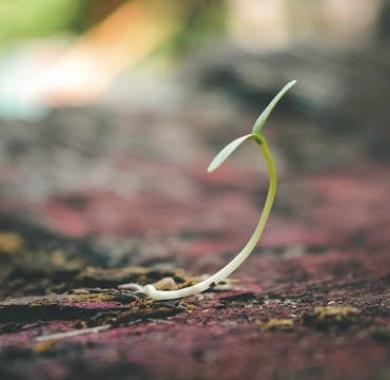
point(257, 136)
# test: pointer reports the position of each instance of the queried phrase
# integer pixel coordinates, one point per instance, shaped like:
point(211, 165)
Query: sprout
point(257, 136)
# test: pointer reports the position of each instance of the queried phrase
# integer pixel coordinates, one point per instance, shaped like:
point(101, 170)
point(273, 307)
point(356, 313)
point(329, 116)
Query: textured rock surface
point(92, 199)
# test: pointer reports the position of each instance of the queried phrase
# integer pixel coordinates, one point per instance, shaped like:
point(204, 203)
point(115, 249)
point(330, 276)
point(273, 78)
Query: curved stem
point(219, 276)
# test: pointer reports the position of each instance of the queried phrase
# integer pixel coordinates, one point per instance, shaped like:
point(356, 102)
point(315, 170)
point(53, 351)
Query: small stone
point(42, 347)
point(328, 317)
point(166, 283)
point(274, 324)
point(337, 313)
point(10, 243)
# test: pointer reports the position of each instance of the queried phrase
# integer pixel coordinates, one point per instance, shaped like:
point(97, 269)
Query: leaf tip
point(211, 168)
point(259, 124)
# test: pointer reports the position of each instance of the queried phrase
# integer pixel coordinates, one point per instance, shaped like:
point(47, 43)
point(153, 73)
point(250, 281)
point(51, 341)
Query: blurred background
point(110, 112)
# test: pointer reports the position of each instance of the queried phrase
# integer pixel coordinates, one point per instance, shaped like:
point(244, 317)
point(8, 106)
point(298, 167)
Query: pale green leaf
point(259, 124)
point(224, 154)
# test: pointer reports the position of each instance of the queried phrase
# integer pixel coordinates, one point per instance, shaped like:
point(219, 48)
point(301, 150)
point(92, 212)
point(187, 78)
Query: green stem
point(272, 186)
point(221, 275)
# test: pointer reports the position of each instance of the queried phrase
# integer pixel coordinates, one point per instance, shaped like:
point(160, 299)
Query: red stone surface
point(327, 245)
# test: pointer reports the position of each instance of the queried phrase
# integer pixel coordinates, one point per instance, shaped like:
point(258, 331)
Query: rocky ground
point(95, 197)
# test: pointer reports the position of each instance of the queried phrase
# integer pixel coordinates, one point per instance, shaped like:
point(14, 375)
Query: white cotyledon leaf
point(225, 153)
